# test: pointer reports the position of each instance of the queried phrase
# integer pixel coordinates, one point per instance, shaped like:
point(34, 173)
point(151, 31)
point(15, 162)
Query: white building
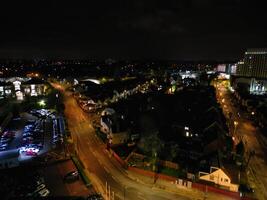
point(220, 177)
point(113, 125)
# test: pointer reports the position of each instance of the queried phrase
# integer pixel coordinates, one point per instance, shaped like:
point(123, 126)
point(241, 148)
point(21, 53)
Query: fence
point(178, 182)
point(163, 163)
point(122, 162)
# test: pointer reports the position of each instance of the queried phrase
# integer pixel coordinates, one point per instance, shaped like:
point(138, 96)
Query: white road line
point(141, 197)
point(106, 169)
point(140, 193)
point(94, 153)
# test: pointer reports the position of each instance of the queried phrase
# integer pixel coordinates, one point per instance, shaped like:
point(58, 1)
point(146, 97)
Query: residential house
point(224, 178)
point(114, 125)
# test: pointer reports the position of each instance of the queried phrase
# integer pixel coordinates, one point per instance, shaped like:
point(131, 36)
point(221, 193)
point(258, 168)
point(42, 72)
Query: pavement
point(172, 187)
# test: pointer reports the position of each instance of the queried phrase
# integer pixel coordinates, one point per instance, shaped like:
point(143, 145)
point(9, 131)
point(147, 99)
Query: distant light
point(186, 128)
point(187, 134)
point(252, 113)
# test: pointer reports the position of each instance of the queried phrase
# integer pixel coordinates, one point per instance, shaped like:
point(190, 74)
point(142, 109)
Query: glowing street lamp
point(42, 103)
point(235, 124)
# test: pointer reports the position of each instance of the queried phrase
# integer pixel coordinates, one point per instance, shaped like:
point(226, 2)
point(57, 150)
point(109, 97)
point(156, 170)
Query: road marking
point(141, 197)
point(94, 153)
point(140, 193)
point(116, 179)
point(106, 170)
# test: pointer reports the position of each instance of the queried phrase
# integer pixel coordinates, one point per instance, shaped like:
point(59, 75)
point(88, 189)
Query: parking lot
point(57, 179)
point(33, 133)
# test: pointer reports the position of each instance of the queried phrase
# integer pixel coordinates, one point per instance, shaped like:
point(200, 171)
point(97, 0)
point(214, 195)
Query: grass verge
point(80, 168)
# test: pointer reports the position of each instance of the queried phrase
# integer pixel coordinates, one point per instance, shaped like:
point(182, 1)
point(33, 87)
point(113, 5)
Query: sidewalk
point(174, 188)
point(54, 179)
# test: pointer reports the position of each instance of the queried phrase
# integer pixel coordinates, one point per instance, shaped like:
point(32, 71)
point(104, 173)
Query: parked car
point(245, 188)
point(3, 148)
point(40, 187)
point(10, 134)
point(31, 153)
point(73, 175)
point(4, 140)
point(44, 192)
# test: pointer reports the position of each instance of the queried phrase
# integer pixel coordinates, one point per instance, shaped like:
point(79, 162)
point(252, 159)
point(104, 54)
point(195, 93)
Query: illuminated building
point(19, 87)
point(34, 87)
point(254, 64)
point(6, 89)
point(254, 68)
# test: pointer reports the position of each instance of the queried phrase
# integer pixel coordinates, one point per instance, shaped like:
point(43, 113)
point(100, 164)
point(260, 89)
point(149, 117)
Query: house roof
point(213, 132)
point(34, 81)
point(3, 83)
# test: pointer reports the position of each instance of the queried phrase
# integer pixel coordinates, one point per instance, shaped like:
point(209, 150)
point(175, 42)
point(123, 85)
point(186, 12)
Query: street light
point(42, 103)
point(235, 124)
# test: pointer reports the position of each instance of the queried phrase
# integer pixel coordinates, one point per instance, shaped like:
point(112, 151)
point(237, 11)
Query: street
point(252, 139)
point(105, 173)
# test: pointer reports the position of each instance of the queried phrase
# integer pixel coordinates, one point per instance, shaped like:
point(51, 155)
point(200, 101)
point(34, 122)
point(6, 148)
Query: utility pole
point(124, 192)
point(109, 192)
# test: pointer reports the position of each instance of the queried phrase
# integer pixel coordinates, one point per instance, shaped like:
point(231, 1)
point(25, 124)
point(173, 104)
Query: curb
point(79, 167)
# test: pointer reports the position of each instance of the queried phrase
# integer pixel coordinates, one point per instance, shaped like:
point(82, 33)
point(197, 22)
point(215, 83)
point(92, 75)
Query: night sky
point(137, 29)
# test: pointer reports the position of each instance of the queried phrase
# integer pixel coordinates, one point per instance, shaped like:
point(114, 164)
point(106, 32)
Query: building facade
point(219, 177)
point(254, 64)
point(19, 87)
point(253, 67)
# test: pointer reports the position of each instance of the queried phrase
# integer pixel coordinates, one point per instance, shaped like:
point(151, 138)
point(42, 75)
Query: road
point(252, 139)
point(102, 169)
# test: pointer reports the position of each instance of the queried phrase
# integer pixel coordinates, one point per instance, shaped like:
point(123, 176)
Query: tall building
point(254, 64)
point(253, 67)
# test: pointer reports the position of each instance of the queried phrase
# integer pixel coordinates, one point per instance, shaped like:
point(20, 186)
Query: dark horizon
point(173, 30)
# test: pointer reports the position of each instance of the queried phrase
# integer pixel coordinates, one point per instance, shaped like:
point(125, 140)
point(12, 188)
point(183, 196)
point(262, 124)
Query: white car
point(22, 150)
point(40, 187)
point(44, 192)
point(28, 149)
point(35, 150)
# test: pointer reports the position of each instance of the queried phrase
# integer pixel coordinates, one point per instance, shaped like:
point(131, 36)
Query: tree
point(174, 151)
point(151, 144)
point(240, 149)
